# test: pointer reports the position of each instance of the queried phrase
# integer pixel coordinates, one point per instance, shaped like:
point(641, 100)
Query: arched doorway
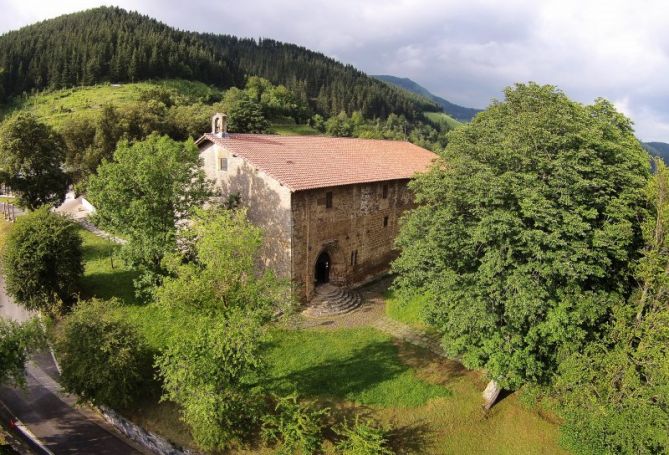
point(322, 269)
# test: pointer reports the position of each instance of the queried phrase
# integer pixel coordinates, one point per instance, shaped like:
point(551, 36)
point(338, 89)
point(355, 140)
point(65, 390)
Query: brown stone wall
point(355, 223)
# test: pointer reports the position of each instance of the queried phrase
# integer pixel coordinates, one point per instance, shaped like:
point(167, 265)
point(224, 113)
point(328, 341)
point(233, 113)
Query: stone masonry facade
point(357, 232)
point(329, 207)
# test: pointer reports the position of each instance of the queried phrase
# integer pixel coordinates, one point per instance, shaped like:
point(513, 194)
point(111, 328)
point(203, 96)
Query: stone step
point(331, 300)
point(329, 292)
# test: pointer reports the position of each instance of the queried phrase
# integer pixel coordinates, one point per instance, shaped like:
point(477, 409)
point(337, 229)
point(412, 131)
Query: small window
point(222, 164)
point(385, 221)
point(328, 200)
point(385, 191)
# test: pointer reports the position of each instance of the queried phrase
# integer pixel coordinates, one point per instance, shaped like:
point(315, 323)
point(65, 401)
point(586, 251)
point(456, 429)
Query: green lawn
point(409, 311)
point(105, 276)
point(359, 365)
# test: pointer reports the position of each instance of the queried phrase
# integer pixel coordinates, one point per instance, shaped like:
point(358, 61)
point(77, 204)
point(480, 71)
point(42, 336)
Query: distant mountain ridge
point(660, 149)
point(456, 111)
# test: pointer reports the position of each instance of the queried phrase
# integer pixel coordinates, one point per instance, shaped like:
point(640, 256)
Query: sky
point(466, 52)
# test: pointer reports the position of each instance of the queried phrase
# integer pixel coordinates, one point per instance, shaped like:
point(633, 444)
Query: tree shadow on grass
point(365, 367)
point(359, 374)
point(409, 439)
point(107, 285)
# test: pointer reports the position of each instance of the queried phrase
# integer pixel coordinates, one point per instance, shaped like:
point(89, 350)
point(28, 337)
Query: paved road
point(8, 309)
point(52, 416)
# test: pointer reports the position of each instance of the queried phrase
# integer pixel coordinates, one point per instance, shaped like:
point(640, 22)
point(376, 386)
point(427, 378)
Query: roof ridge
point(324, 161)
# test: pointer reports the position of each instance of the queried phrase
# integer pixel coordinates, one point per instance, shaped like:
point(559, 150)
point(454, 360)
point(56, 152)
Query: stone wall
point(352, 232)
point(151, 441)
point(267, 201)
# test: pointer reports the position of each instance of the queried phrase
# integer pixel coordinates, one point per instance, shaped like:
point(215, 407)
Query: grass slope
point(359, 365)
point(443, 118)
point(56, 107)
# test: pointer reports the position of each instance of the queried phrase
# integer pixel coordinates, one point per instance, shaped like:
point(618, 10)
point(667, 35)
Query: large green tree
point(213, 372)
point(149, 189)
point(31, 159)
point(524, 231)
point(42, 261)
point(216, 268)
point(614, 395)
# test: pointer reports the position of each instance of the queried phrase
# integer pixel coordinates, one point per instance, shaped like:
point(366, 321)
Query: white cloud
point(464, 51)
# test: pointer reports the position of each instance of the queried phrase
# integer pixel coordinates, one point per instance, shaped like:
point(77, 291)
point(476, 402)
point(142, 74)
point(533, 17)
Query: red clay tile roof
point(308, 162)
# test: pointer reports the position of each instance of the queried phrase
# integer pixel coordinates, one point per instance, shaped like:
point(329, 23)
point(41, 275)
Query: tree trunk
point(490, 394)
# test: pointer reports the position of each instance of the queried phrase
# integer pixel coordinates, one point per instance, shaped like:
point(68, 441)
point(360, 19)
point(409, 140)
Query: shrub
point(103, 359)
point(42, 260)
point(363, 437)
point(212, 374)
point(16, 343)
point(296, 426)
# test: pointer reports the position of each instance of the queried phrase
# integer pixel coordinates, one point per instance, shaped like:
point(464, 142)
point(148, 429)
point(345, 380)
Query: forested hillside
point(660, 149)
point(113, 45)
point(461, 113)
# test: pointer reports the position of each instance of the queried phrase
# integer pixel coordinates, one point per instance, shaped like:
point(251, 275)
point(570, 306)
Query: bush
point(296, 426)
point(364, 437)
point(212, 374)
point(42, 261)
point(16, 343)
point(103, 359)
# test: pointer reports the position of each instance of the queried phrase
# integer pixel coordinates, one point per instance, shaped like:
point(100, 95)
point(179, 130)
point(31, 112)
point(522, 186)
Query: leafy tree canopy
point(17, 341)
point(42, 261)
point(525, 230)
point(31, 156)
point(614, 395)
point(217, 270)
point(103, 359)
point(149, 189)
point(213, 372)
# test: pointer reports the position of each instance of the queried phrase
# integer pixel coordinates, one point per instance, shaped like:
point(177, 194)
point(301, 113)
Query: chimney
point(219, 125)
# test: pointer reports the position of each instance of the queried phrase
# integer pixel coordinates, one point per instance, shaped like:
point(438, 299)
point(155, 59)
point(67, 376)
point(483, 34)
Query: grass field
point(358, 365)
point(56, 107)
point(409, 312)
point(433, 404)
point(285, 126)
point(443, 118)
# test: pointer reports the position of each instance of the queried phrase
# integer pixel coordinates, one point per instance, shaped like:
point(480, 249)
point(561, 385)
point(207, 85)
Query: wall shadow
point(265, 211)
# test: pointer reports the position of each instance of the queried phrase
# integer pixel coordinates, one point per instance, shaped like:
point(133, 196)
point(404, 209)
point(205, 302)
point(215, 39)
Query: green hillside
point(443, 119)
point(60, 106)
point(659, 149)
point(111, 45)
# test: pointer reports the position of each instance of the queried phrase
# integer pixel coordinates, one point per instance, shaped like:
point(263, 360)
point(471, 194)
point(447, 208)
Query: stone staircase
point(332, 300)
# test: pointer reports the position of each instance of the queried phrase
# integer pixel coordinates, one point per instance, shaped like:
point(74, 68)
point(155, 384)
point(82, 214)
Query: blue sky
point(466, 52)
